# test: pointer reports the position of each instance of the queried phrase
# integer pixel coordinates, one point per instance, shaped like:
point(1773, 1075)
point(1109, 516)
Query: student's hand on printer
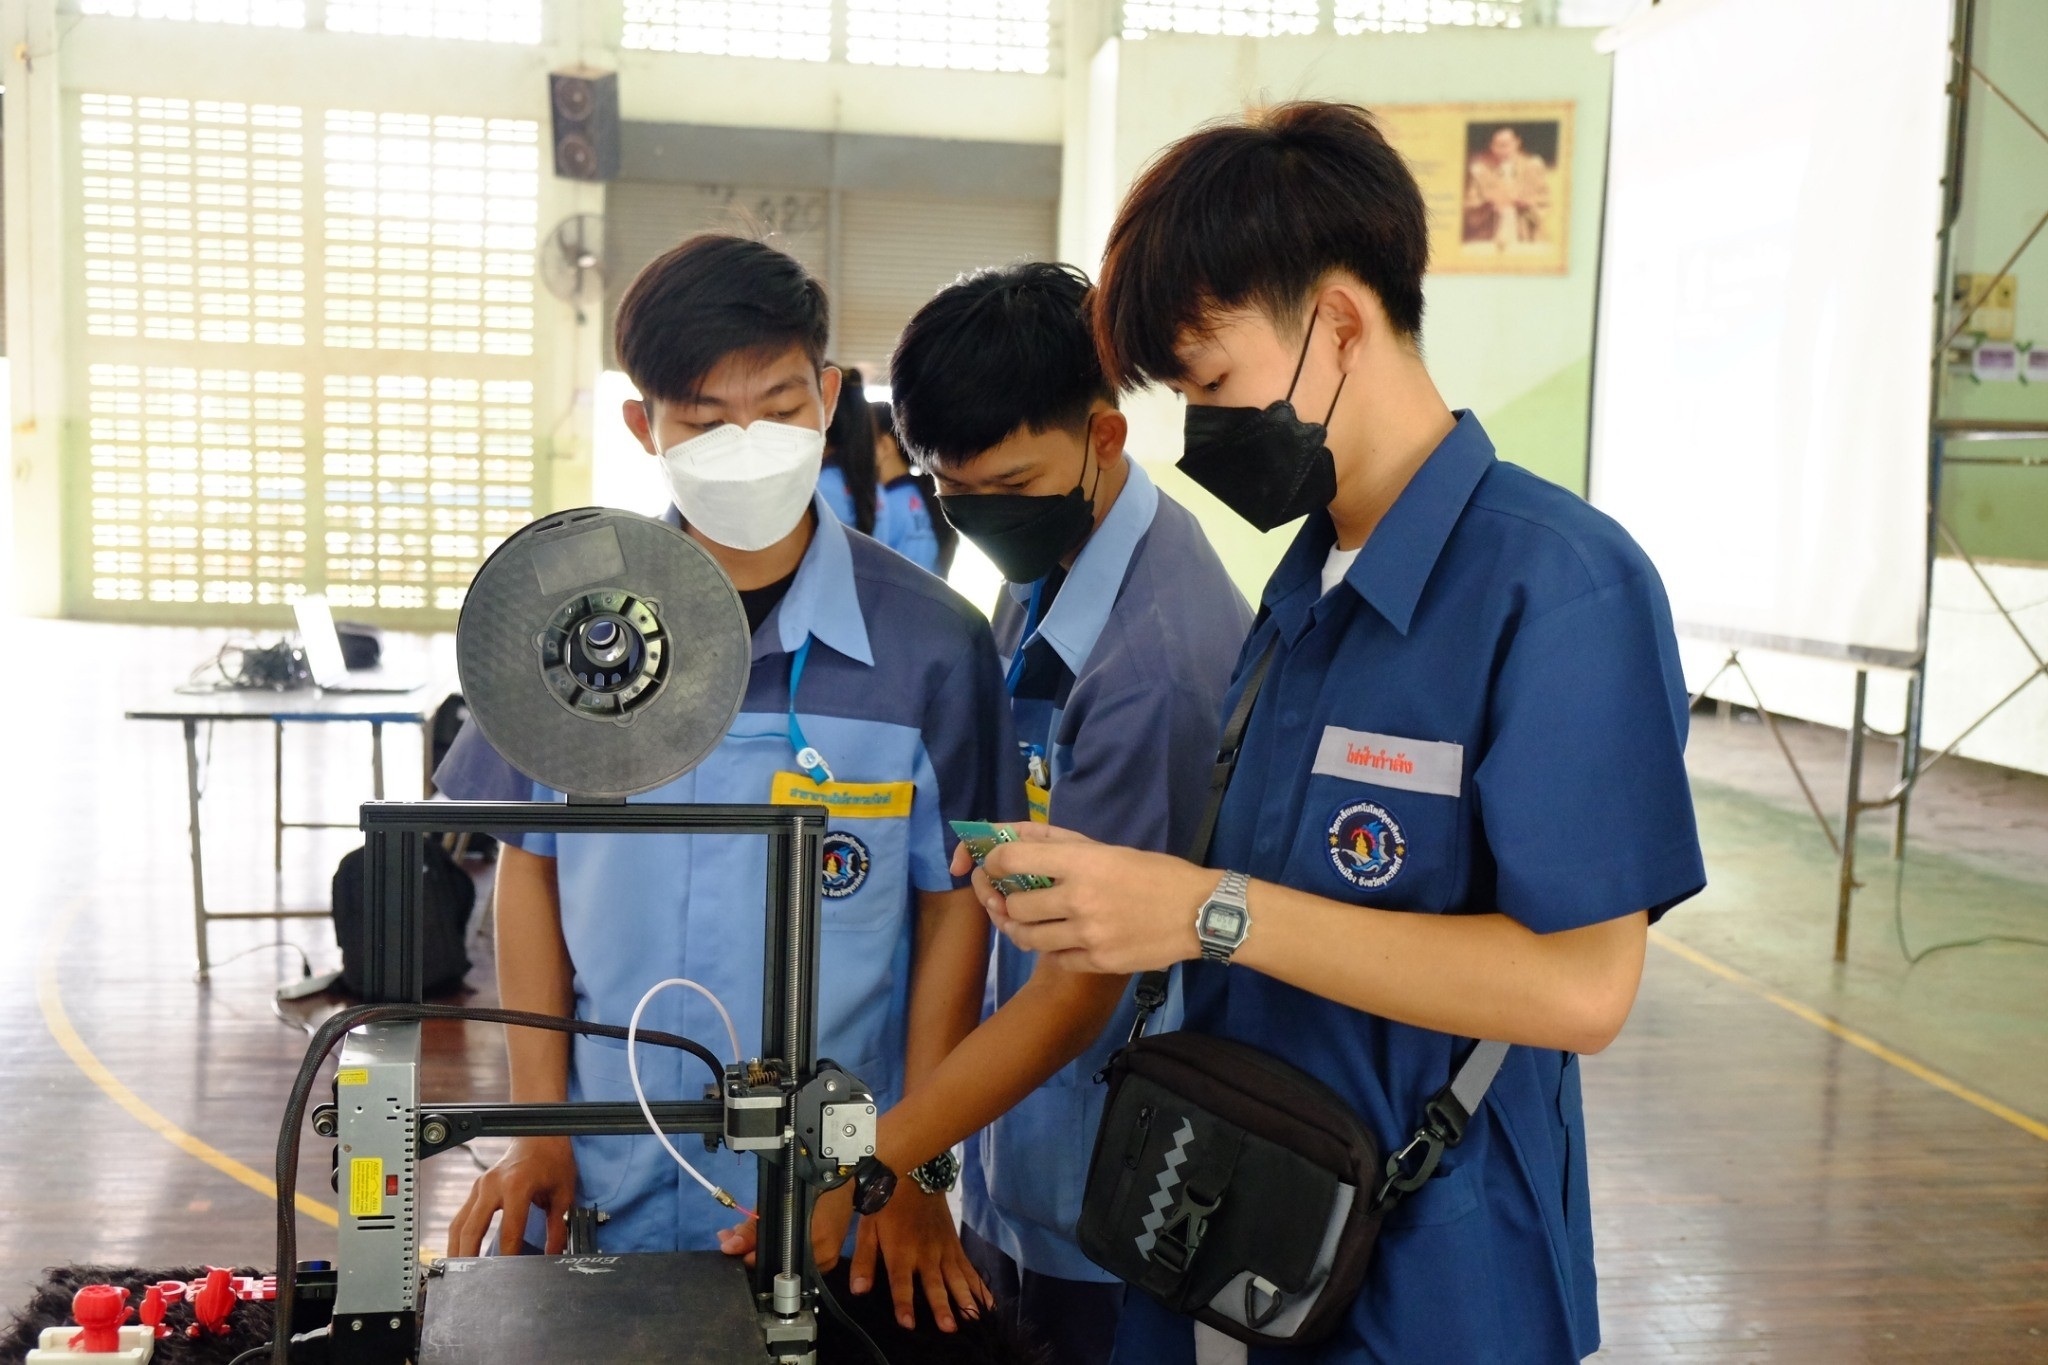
point(534, 1172)
point(829, 1221)
point(917, 1240)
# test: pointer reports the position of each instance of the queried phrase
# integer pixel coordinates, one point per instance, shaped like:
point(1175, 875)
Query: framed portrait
point(1496, 179)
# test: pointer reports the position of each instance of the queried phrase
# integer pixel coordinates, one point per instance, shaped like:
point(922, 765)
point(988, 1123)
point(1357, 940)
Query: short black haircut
point(996, 352)
point(711, 297)
point(1256, 211)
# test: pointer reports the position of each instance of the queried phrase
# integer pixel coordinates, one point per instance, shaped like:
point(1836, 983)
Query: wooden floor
point(1763, 1188)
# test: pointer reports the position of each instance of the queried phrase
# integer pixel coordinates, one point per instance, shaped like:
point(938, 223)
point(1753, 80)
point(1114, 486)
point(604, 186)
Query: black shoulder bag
point(1234, 1187)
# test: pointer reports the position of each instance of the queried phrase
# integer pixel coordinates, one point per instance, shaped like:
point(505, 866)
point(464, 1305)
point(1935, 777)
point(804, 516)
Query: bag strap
point(1151, 992)
point(1443, 1124)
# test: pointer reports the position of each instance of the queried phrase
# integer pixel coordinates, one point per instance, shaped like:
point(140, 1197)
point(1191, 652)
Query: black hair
point(996, 352)
point(1257, 211)
point(850, 444)
point(712, 297)
point(942, 530)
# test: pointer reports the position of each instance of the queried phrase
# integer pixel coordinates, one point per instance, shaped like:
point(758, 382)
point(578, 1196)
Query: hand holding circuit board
point(979, 837)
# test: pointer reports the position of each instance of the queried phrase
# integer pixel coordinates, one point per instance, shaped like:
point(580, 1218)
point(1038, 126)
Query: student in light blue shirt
point(910, 523)
point(875, 692)
point(848, 482)
point(1119, 629)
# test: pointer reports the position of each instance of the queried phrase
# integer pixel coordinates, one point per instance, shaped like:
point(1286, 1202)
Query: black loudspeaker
point(586, 105)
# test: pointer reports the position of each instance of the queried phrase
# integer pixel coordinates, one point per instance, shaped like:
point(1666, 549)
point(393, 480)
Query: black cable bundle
point(277, 667)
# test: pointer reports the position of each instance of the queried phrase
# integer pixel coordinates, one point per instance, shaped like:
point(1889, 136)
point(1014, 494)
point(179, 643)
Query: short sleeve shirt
point(903, 522)
point(1485, 716)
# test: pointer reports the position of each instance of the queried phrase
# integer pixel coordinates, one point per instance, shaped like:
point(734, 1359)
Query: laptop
point(323, 654)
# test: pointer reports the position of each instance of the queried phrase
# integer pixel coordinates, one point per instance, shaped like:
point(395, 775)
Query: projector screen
point(1761, 368)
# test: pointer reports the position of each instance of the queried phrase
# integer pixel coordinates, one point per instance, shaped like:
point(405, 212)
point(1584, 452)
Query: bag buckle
point(1257, 1314)
point(1400, 1180)
point(1443, 1126)
point(1177, 1242)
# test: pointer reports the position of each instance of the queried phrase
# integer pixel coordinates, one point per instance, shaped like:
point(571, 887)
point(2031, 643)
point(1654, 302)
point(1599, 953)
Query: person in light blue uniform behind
point(909, 520)
point(1120, 628)
point(849, 482)
point(1461, 798)
point(875, 693)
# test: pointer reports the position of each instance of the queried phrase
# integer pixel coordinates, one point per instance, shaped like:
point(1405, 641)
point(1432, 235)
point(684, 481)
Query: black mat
point(249, 1325)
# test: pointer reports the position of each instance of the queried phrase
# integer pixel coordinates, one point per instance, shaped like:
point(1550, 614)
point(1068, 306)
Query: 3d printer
point(604, 654)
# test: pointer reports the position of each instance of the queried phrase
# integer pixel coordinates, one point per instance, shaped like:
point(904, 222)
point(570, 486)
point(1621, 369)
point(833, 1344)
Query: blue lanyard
point(807, 758)
point(1024, 638)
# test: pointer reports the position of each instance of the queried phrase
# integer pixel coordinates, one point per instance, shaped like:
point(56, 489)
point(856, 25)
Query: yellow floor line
point(1850, 1036)
point(95, 1070)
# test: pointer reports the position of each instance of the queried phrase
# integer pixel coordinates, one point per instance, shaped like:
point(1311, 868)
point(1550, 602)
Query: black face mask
point(1027, 534)
point(1265, 464)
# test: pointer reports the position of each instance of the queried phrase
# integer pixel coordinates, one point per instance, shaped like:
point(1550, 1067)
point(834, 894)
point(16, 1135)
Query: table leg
point(198, 866)
point(277, 808)
point(426, 760)
point(377, 759)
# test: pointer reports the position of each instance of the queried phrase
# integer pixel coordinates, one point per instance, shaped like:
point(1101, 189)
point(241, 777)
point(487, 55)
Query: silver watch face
point(1223, 922)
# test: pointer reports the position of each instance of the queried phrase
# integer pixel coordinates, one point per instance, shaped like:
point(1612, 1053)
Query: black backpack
point(447, 897)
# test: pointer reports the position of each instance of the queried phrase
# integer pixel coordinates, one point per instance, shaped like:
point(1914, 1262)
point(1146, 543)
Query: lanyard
point(1024, 637)
point(807, 758)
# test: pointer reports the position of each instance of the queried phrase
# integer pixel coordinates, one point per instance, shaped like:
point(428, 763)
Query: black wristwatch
point(873, 1186)
point(939, 1175)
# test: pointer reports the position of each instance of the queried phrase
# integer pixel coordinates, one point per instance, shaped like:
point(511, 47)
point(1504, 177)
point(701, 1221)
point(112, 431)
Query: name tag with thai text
point(1414, 765)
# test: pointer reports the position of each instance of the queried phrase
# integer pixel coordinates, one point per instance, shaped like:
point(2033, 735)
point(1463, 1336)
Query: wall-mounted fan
point(572, 261)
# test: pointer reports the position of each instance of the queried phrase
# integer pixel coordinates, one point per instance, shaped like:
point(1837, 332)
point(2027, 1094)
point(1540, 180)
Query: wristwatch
point(873, 1184)
point(938, 1175)
point(1224, 919)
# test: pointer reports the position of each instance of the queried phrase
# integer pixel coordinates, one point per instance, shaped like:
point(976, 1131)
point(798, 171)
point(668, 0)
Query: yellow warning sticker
point(354, 1075)
point(366, 1187)
point(852, 800)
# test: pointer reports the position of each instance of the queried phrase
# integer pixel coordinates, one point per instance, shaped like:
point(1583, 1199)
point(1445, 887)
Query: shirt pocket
point(1379, 846)
point(866, 883)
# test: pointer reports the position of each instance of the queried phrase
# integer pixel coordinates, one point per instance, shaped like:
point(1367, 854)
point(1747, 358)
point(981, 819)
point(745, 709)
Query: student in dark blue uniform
point(875, 694)
point(1462, 796)
point(1119, 630)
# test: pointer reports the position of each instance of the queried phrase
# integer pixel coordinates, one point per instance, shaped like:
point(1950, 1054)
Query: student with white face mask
point(875, 693)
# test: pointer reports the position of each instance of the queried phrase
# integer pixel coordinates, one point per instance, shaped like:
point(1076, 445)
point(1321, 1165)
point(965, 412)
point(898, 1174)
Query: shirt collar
point(1395, 563)
point(1089, 592)
point(823, 602)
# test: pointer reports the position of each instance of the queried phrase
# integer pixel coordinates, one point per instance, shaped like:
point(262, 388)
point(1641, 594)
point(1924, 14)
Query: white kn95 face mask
point(745, 487)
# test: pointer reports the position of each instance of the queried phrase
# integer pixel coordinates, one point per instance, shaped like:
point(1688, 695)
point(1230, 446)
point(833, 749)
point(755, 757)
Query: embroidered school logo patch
point(1366, 844)
point(846, 864)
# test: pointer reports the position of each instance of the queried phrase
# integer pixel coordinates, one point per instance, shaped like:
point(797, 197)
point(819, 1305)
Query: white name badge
point(1415, 765)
